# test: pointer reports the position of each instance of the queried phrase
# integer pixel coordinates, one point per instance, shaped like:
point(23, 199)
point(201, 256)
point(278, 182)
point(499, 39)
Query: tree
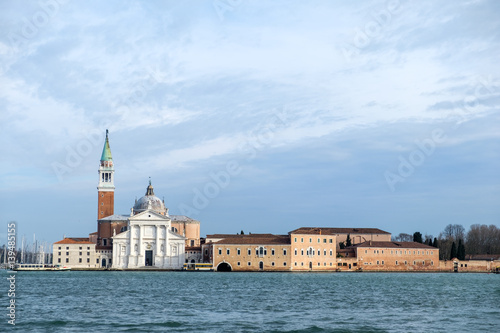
point(435, 243)
point(348, 241)
point(483, 239)
point(242, 233)
point(402, 237)
point(342, 245)
point(417, 237)
point(429, 242)
point(453, 253)
point(461, 250)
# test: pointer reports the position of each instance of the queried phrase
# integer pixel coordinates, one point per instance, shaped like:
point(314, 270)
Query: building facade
point(75, 252)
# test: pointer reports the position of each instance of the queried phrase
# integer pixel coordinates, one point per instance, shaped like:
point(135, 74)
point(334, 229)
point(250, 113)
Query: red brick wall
point(106, 204)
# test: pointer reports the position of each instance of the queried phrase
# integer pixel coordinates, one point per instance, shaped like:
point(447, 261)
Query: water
point(253, 302)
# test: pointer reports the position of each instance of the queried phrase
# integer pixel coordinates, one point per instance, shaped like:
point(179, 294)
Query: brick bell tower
point(106, 187)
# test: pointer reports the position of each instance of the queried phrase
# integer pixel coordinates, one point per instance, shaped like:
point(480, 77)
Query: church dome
point(150, 201)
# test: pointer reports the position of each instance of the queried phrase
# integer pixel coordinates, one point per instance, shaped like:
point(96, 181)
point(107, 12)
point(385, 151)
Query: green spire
point(106, 151)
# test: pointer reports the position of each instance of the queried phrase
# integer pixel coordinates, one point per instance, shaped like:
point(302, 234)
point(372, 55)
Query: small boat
point(40, 267)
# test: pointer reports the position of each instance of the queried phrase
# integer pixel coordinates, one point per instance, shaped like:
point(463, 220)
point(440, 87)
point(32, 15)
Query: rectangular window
point(220, 251)
point(272, 252)
point(97, 261)
point(249, 252)
point(319, 240)
point(295, 264)
point(331, 252)
point(324, 240)
point(397, 262)
point(391, 251)
point(301, 252)
point(324, 252)
point(67, 260)
point(67, 247)
point(228, 252)
point(58, 253)
point(249, 263)
point(67, 253)
point(88, 253)
point(302, 240)
point(310, 240)
point(366, 251)
point(295, 251)
point(382, 251)
point(432, 263)
point(284, 252)
point(414, 262)
point(377, 262)
point(238, 251)
point(58, 260)
point(382, 262)
point(423, 262)
point(80, 248)
point(295, 239)
point(59, 248)
point(88, 247)
point(80, 260)
point(432, 252)
point(406, 263)
point(88, 260)
point(238, 263)
point(331, 240)
point(80, 253)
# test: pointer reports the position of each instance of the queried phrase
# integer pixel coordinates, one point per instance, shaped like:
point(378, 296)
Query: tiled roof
point(182, 218)
point(115, 217)
point(263, 239)
point(74, 240)
point(399, 245)
point(333, 231)
point(237, 235)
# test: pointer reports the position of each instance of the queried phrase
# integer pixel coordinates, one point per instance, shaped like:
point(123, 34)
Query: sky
point(252, 115)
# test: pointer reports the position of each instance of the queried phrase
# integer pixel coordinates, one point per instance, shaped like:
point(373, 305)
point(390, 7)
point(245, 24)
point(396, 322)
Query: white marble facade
point(148, 241)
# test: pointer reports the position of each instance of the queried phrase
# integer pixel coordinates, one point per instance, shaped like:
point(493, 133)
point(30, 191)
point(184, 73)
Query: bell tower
point(106, 186)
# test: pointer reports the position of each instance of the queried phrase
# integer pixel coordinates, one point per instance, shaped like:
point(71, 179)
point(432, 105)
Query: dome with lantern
point(150, 202)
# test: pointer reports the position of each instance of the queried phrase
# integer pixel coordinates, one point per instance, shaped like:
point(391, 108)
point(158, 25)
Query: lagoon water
point(253, 302)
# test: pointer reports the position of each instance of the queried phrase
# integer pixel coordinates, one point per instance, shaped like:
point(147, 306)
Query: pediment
point(122, 235)
point(148, 215)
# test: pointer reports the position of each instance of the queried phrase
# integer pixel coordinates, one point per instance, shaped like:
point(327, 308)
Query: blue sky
point(309, 113)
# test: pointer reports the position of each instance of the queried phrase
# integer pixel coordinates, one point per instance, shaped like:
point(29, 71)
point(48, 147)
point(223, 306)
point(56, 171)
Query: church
point(146, 237)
